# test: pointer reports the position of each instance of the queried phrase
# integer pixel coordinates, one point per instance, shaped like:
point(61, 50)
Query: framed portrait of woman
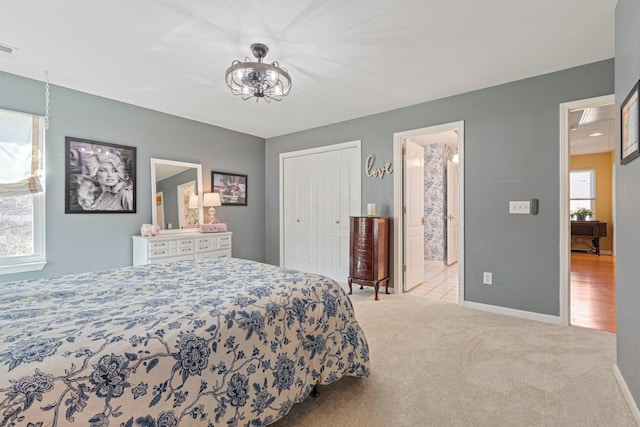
point(100, 177)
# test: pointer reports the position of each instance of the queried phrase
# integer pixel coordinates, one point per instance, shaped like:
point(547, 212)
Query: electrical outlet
point(520, 207)
point(487, 278)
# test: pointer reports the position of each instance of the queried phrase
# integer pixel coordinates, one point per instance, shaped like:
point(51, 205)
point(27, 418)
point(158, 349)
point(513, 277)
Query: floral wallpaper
point(435, 200)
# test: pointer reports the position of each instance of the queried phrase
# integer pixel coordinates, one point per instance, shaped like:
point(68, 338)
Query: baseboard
point(626, 393)
point(546, 318)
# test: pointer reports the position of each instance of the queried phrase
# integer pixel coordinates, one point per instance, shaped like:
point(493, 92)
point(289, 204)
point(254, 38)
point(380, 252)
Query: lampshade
point(211, 199)
point(258, 79)
point(193, 201)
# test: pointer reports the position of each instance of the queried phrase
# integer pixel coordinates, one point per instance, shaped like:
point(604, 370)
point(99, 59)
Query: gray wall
point(511, 153)
point(83, 242)
point(627, 205)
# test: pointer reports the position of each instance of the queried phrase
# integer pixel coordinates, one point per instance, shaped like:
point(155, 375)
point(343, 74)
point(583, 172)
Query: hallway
point(593, 291)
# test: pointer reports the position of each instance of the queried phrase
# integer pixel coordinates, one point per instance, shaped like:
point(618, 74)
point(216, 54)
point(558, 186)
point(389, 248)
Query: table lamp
point(212, 200)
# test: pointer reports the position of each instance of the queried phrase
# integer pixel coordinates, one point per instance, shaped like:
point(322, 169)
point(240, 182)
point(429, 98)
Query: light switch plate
point(520, 207)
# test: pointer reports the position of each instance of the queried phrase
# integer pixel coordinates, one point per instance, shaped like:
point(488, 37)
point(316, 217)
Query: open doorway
point(428, 210)
point(587, 192)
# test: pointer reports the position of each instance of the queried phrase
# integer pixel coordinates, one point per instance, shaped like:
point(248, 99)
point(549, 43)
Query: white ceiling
point(592, 130)
point(347, 58)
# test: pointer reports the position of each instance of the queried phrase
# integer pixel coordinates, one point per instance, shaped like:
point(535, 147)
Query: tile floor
point(440, 283)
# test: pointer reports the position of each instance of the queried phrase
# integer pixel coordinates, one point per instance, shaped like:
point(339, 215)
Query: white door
point(338, 177)
point(300, 214)
point(160, 209)
point(327, 178)
point(452, 212)
point(349, 204)
point(183, 191)
point(414, 215)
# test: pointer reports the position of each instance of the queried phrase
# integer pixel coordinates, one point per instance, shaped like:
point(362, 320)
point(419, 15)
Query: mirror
point(173, 184)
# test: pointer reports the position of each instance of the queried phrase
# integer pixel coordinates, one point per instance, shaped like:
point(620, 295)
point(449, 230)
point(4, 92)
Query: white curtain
point(21, 153)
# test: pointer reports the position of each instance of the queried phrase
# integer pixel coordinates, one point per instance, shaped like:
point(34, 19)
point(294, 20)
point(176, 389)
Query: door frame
point(316, 150)
point(565, 223)
point(398, 226)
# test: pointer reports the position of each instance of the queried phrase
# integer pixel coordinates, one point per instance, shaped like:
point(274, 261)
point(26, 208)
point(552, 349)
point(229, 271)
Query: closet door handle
point(338, 222)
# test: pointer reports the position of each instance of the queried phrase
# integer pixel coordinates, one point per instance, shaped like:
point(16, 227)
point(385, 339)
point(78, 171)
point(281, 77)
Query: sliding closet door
point(300, 214)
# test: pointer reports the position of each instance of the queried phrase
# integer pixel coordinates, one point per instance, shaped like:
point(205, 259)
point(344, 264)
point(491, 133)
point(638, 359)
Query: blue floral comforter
point(218, 342)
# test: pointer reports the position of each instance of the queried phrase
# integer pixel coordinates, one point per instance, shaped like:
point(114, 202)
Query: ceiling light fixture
point(258, 79)
point(588, 115)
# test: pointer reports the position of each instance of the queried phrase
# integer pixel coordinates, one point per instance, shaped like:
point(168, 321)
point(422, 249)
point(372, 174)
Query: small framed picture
point(99, 177)
point(231, 186)
point(629, 115)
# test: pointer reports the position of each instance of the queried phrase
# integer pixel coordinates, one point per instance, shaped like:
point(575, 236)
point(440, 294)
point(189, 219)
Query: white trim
point(565, 225)
point(323, 149)
point(633, 406)
point(37, 260)
point(23, 267)
point(397, 201)
point(436, 263)
point(530, 315)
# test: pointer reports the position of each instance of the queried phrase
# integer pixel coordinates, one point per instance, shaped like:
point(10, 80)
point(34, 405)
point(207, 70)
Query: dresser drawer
point(214, 254)
point(184, 242)
point(224, 242)
point(158, 253)
point(160, 244)
point(363, 241)
point(205, 244)
point(363, 274)
point(363, 226)
point(185, 250)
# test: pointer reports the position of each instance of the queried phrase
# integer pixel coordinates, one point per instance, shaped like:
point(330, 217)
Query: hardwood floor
point(593, 291)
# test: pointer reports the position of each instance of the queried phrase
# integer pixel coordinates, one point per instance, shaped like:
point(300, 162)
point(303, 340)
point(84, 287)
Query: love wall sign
point(377, 172)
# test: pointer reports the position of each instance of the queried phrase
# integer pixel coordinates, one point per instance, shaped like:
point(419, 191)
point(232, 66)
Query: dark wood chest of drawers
point(369, 252)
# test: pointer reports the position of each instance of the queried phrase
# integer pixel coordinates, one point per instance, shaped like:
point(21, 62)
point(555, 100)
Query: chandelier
point(258, 79)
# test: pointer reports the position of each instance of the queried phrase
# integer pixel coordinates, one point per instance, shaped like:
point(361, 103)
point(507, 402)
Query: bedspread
point(215, 342)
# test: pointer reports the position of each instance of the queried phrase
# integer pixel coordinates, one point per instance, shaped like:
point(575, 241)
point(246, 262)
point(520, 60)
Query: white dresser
point(180, 246)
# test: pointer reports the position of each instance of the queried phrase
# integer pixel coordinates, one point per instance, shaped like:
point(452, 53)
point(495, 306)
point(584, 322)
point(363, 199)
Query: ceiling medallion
point(258, 79)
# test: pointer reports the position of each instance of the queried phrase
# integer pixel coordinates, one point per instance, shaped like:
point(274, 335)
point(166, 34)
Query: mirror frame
point(198, 167)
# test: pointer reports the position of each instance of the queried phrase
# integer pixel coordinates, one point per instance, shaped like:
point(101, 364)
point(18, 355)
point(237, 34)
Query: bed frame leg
point(315, 392)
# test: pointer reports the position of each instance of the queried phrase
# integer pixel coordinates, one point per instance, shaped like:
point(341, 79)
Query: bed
point(217, 342)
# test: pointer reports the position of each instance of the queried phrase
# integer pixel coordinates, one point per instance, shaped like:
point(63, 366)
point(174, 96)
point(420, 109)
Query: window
point(583, 190)
point(22, 243)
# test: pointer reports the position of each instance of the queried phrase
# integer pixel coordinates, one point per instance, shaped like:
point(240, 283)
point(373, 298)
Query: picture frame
point(100, 177)
point(232, 187)
point(629, 117)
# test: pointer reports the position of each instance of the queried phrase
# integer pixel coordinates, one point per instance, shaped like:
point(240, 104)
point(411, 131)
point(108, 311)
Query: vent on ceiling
point(6, 50)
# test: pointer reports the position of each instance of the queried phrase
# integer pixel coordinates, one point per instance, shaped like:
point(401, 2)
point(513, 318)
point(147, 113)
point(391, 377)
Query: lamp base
point(212, 215)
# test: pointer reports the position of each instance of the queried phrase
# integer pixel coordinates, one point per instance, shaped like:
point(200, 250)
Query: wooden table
point(590, 229)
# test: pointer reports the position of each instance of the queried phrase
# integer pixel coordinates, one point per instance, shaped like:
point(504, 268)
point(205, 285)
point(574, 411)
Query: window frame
point(593, 197)
point(37, 260)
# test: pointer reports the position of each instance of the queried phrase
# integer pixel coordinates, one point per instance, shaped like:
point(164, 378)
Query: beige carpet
point(438, 364)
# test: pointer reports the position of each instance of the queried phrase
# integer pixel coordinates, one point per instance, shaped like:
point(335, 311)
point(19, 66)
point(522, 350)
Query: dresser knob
point(338, 222)
point(297, 220)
